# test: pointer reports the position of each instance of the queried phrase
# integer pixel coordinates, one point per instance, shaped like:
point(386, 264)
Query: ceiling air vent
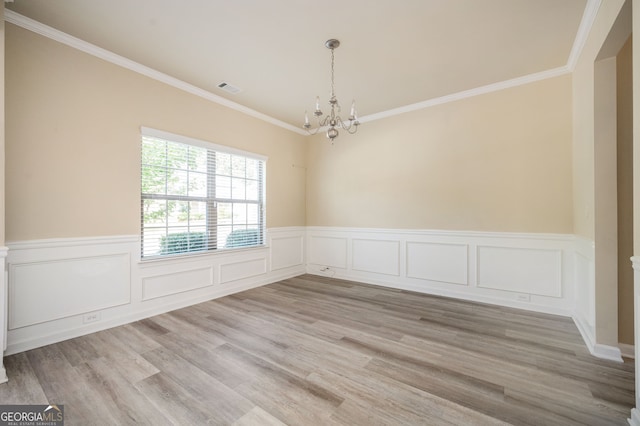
point(229, 88)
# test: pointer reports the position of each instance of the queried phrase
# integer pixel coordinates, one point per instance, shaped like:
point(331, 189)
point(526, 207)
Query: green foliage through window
point(183, 242)
point(197, 198)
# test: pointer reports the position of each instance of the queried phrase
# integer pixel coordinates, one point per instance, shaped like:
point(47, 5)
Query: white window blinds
point(197, 196)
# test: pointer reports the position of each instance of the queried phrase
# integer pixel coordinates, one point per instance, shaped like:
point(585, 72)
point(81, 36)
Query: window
point(197, 196)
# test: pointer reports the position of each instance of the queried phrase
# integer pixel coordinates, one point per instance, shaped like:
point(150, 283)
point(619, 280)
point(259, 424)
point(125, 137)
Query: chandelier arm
point(344, 124)
point(321, 124)
point(351, 127)
point(332, 121)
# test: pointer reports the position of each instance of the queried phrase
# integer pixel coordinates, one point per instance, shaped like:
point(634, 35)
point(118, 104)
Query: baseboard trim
point(584, 329)
point(612, 353)
point(627, 351)
point(635, 417)
point(447, 293)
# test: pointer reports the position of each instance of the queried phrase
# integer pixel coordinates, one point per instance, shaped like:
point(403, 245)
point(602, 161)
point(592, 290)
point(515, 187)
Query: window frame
point(210, 199)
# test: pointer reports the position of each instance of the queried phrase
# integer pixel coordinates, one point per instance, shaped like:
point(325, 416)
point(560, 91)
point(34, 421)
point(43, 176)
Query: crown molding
point(76, 43)
point(588, 17)
point(469, 93)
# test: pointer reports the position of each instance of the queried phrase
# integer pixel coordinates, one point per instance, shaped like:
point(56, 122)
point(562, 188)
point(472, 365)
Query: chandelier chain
point(333, 91)
point(332, 122)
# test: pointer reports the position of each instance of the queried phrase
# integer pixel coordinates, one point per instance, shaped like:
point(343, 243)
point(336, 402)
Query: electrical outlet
point(523, 298)
point(325, 269)
point(92, 317)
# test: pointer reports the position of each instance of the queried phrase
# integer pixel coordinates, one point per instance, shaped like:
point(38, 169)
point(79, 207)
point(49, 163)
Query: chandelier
point(332, 120)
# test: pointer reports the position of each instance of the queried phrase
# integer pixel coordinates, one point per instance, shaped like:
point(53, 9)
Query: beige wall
point(583, 120)
point(583, 178)
point(636, 134)
point(605, 201)
point(495, 162)
point(73, 142)
point(625, 192)
point(2, 132)
point(636, 192)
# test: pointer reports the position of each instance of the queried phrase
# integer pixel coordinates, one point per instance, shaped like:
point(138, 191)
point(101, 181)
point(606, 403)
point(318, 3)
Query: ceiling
point(393, 53)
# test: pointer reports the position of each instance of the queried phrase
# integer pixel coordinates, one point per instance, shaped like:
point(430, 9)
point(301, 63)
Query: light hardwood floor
point(316, 351)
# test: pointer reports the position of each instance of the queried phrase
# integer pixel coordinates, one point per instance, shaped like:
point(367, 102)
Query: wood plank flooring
point(320, 351)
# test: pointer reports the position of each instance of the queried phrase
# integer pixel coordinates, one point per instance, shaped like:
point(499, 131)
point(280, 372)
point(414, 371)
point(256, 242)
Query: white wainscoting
point(634, 420)
point(287, 250)
point(552, 273)
point(584, 270)
point(524, 270)
point(446, 263)
point(166, 284)
point(585, 311)
point(63, 288)
point(47, 290)
point(377, 256)
point(3, 312)
point(245, 268)
point(529, 271)
point(328, 250)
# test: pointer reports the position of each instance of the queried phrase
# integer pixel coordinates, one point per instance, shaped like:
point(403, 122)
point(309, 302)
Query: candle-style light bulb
point(306, 119)
point(353, 109)
point(317, 103)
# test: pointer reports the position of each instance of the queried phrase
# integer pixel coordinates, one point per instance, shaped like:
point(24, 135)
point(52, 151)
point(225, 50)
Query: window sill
point(195, 256)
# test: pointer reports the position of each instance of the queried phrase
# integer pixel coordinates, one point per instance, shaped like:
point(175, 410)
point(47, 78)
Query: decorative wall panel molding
point(287, 251)
point(64, 288)
point(328, 250)
point(49, 290)
point(246, 268)
point(377, 256)
point(176, 282)
point(447, 263)
point(528, 271)
point(523, 270)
